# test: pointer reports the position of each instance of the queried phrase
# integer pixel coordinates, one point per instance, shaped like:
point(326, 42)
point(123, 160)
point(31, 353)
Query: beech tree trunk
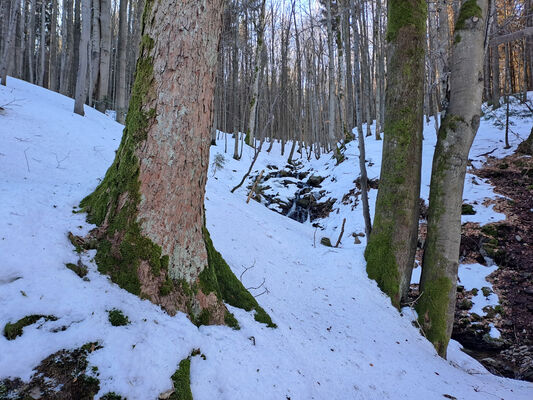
point(391, 247)
point(105, 55)
point(8, 46)
point(149, 208)
point(121, 61)
point(81, 81)
point(436, 306)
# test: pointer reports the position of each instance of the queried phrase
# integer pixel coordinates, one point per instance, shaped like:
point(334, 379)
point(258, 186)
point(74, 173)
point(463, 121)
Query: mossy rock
point(79, 269)
point(467, 209)
point(325, 241)
point(117, 318)
point(465, 304)
point(12, 331)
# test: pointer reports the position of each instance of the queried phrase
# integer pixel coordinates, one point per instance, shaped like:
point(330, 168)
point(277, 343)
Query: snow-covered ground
point(338, 336)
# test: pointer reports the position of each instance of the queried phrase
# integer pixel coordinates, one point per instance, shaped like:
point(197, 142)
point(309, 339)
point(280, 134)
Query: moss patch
point(381, 265)
point(404, 13)
point(182, 381)
point(217, 277)
point(12, 331)
point(111, 396)
point(467, 209)
point(468, 10)
point(79, 269)
point(117, 318)
point(432, 309)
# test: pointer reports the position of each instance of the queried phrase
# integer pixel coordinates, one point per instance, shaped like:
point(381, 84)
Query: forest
point(266, 199)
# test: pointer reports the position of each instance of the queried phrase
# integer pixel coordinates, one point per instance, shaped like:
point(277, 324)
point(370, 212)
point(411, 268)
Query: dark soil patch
point(63, 375)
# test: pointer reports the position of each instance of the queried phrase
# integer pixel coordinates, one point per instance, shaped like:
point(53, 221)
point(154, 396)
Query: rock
point(325, 241)
point(518, 238)
point(315, 180)
point(166, 395)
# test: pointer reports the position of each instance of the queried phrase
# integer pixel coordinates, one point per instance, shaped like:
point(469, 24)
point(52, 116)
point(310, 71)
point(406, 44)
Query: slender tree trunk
point(66, 46)
point(95, 51)
point(31, 41)
point(121, 61)
point(260, 31)
point(8, 46)
point(81, 81)
point(52, 65)
point(436, 306)
point(391, 248)
point(359, 119)
point(42, 48)
point(331, 77)
point(105, 55)
point(152, 238)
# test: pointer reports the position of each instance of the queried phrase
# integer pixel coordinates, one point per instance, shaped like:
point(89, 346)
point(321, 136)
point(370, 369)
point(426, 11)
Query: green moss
point(182, 381)
point(486, 291)
point(490, 230)
point(80, 270)
point(467, 209)
point(117, 318)
point(166, 287)
point(217, 277)
point(468, 10)
point(432, 310)
point(12, 331)
point(111, 396)
point(457, 39)
point(231, 321)
point(406, 13)
point(381, 265)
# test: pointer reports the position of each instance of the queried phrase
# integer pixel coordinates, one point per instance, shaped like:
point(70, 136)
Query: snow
point(338, 336)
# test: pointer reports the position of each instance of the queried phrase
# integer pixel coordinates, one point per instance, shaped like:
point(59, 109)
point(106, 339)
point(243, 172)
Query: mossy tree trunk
point(151, 237)
point(436, 306)
point(391, 247)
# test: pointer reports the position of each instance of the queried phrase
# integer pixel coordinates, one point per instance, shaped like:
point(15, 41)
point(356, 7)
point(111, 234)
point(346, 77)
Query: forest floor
point(338, 337)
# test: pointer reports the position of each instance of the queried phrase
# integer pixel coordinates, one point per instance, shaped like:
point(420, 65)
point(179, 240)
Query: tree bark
point(52, 65)
point(391, 248)
point(105, 55)
point(436, 306)
point(151, 237)
point(121, 61)
point(81, 81)
point(8, 46)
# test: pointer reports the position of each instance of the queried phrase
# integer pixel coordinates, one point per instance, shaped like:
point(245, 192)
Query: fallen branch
point(249, 169)
point(26, 156)
point(254, 186)
point(486, 154)
point(342, 233)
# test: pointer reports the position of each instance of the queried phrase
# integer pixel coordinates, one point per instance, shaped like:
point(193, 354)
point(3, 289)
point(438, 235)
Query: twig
point(246, 269)
point(26, 156)
point(60, 161)
point(254, 288)
point(342, 233)
point(254, 186)
point(486, 154)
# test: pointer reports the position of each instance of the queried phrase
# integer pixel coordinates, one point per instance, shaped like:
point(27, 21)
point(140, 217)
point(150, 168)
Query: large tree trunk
point(81, 81)
point(391, 248)
point(149, 208)
point(436, 306)
point(121, 61)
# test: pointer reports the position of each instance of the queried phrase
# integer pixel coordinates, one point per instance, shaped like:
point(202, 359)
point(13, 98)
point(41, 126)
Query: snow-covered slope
point(338, 337)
